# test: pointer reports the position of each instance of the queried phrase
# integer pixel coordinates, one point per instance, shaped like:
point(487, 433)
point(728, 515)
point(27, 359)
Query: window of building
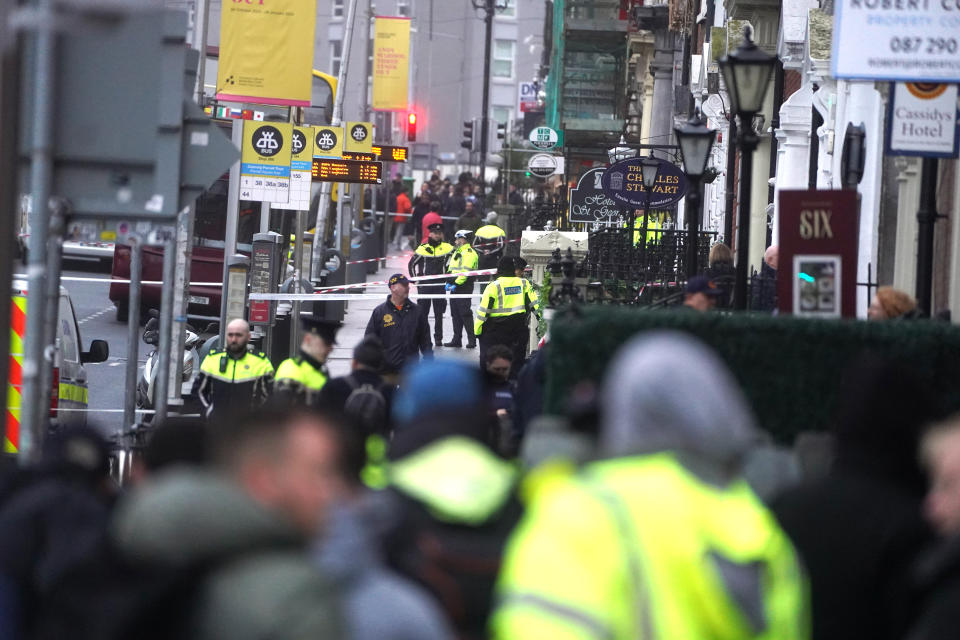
point(403, 8)
point(337, 8)
point(511, 9)
point(500, 114)
point(335, 56)
point(503, 54)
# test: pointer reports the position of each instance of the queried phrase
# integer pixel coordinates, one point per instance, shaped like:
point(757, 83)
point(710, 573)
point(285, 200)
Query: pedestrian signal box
point(358, 171)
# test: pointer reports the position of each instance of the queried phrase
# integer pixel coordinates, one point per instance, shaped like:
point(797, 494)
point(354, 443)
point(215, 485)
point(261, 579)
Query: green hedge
point(788, 367)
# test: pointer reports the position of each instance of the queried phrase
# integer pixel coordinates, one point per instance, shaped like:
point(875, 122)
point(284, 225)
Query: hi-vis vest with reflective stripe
point(464, 259)
point(640, 549)
point(505, 296)
point(652, 227)
point(18, 327)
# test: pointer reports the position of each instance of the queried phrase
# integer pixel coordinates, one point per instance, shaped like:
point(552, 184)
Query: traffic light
point(469, 135)
point(501, 132)
point(411, 127)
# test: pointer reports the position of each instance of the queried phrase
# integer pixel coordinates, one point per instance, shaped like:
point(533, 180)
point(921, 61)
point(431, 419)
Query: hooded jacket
point(711, 427)
point(261, 584)
point(634, 545)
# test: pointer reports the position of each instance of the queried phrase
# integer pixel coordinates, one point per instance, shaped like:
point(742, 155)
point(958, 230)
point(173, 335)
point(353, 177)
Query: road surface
point(96, 318)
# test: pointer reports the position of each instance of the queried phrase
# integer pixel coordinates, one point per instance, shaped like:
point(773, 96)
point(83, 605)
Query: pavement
point(358, 314)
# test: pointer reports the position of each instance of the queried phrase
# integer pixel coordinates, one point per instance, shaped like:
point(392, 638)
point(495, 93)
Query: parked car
point(205, 266)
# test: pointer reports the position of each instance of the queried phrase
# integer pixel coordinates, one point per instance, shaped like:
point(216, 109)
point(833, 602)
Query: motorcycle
point(189, 367)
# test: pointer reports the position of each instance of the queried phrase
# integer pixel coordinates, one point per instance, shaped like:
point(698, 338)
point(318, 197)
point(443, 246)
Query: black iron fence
point(623, 270)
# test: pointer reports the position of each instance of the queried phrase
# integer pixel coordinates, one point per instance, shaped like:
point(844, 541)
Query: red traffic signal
point(411, 127)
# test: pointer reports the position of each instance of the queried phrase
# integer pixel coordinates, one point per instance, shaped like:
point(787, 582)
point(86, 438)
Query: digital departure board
point(367, 157)
point(360, 171)
point(390, 154)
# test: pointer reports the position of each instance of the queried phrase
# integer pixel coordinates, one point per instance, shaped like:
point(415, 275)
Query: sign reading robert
point(588, 202)
point(623, 182)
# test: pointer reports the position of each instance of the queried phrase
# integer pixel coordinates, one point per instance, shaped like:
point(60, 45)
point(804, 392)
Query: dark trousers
point(461, 316)
point(510, 331)
point(439, 308)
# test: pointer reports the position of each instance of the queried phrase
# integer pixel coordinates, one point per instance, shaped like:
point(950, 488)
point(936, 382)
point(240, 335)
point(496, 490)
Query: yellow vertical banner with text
point(391, 63)
point(266, 51)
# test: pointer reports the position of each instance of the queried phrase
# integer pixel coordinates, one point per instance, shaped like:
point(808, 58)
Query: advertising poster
point(266, 52)
point(391, 63)
point(819, 235)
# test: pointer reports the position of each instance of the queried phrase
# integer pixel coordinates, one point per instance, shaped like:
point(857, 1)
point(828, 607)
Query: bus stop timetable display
point(360, 171)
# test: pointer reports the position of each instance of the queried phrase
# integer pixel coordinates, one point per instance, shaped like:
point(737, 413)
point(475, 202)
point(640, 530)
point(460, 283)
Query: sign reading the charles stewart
point(623, 182)
point(817, 274)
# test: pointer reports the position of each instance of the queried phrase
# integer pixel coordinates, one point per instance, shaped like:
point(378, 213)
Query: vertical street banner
point(391, 63)
point(301, 170)
point(266, 51)
point(265, 161)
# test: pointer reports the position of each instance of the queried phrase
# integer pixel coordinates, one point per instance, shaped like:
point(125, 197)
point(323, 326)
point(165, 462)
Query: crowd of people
point(438, 501)
point(428, 497)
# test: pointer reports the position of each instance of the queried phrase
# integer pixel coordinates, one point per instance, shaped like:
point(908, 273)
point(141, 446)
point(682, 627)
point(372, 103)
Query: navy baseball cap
point(397, 278)
point(704, 285)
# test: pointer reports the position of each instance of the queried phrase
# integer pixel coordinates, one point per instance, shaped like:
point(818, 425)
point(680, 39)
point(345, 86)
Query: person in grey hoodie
point(248, 523)
point(663, 537)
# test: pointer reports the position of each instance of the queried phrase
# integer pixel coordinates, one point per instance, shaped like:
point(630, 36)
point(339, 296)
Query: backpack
point(457, 564)
point(366, 406)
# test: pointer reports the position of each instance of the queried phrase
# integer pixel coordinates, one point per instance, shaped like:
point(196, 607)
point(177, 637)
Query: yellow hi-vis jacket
point(300, 379)
point(639, 548)
point(464, 259)
point(505, 296)
point(652, 228)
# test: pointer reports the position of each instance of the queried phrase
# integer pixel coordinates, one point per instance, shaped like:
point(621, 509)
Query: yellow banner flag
point(391, 63)
point(266, 51)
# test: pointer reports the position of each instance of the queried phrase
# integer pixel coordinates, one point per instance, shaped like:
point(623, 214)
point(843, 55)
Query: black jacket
point(858, 534)
point(404, 332)
point(334, 394)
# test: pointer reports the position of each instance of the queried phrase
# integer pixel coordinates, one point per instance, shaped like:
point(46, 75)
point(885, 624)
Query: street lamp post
point(695, 141)
point(747, 73)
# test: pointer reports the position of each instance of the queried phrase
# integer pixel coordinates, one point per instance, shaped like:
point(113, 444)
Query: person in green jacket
point(300, 379)
point(244, 528)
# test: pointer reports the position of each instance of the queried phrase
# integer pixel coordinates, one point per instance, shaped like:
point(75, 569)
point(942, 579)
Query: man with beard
point(233, 380)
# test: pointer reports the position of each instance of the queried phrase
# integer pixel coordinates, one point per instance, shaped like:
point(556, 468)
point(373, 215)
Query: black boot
point(453, 343)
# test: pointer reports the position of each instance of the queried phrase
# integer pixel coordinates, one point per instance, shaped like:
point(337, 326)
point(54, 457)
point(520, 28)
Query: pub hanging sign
point(623, 182)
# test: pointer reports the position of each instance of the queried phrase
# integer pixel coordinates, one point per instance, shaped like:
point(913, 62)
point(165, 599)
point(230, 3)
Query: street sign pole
point(133, 332)
point(300, 229)
point(181, 292)
point(336, 119)
point(35, 398)
point(230, 238)
point(162, 390)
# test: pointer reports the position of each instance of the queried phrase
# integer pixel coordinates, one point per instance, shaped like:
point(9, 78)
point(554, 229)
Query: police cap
point(436, 226)
point(326, 329)
point(505, 267)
